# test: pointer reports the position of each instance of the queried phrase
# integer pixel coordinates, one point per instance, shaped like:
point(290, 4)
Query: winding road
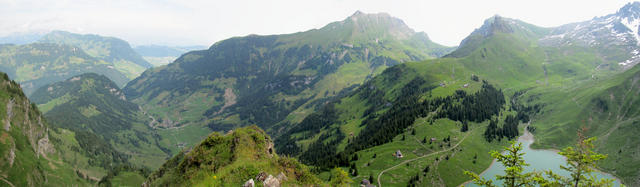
point(423, 156)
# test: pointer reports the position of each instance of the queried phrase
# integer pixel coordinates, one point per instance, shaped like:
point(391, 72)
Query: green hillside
point(113, 50)
point(492, 82)
point(105, 123)
point(31, 152)
point(607, 108)
point(38, 64)
point(231, 160)
point(274, 80)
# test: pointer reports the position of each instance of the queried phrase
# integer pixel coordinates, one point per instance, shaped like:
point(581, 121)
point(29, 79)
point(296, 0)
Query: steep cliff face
point(28, 157)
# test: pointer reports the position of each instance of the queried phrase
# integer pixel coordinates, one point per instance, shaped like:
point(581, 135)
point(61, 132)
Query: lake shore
point(527, 138)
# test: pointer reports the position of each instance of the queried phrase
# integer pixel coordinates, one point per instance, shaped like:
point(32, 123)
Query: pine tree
point(580, 161)
point(464, 128)
point(514, 166)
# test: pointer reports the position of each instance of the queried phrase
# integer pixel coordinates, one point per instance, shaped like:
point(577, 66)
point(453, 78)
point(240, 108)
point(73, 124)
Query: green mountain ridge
point(31, 154)
point(112, 128)
point(282, 79)
point(419, 100)
point(113, 50)
point(365, 94)
point(231, 160)
point(37, 64)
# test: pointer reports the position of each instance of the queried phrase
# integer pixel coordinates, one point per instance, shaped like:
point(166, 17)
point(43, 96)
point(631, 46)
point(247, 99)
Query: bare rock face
point(7, 121)
point(45, 147)
point(271, 182)
point(249, 183)
point(281, 177)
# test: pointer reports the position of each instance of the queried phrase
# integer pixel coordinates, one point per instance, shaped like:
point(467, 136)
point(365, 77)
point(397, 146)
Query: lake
point(538, 160)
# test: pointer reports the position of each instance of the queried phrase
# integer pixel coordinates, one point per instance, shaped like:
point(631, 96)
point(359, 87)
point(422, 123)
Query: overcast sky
point(203, 22)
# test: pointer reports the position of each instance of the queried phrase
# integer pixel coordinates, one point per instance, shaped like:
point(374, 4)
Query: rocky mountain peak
point(379, 23)
point(495, 24)
point(630, 11)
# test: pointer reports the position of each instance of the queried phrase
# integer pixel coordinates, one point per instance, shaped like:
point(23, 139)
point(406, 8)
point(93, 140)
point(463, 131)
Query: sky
point(204, 22)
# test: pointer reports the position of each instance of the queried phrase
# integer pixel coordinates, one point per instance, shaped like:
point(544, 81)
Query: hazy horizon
point(170, 22)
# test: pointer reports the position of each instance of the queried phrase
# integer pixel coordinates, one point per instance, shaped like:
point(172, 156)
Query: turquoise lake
point(538, 160)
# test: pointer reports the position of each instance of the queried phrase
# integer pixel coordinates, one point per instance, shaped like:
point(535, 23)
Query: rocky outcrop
point(271, 182)
point(45, 147)
point(249, 183)
point(7, 120)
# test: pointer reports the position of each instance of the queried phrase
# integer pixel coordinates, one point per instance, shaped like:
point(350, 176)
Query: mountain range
point(276, 79)
point(367, 95)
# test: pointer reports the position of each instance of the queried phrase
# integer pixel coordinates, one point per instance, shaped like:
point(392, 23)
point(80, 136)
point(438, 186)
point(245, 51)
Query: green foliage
point(514, 166)
point(296, 75)
point(230, 160)
point(106, 126)
point(340, 178)
point(29, 155)
point(580, 161)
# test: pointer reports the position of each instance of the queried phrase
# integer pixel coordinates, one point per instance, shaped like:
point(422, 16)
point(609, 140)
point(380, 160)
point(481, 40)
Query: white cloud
point(205, 22)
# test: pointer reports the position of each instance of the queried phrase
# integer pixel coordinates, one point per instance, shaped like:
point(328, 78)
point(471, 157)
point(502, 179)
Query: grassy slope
point(614, 121)
point(115, 51)
point(442, 172)
point(512, 61)
point(29, 167)
point(230, 160)
point(35, 65)
point(335, 58)
point(91, 102)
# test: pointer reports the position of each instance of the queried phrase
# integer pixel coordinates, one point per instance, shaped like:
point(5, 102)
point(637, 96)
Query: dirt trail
point(10, 184)
point(423, 156)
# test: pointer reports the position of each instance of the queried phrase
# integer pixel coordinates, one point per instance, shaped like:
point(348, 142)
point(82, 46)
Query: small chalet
point(398, 154)
point(366, 183)
point(433, 139)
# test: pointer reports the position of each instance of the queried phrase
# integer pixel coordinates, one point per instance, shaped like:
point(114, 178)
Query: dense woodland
point(401, 113)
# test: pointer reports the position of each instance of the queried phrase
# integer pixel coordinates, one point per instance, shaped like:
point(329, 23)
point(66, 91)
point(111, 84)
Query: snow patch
point(631, 61)
point(633, 25)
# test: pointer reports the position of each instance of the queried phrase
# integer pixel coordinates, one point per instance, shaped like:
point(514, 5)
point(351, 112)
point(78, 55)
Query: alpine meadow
point(329, 93)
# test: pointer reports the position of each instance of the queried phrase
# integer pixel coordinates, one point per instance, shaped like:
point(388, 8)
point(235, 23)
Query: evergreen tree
point(464, 128)
point(514, 166)
point(580, 161)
